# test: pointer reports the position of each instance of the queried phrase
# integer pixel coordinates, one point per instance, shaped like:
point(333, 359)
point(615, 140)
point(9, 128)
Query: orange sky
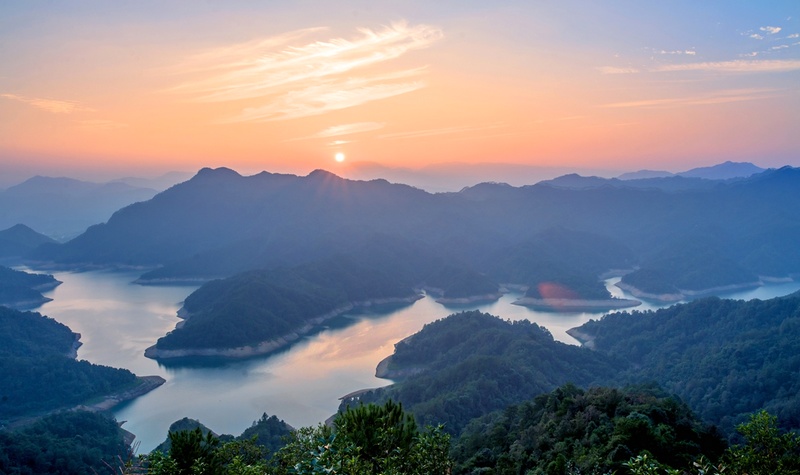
point(139, 87)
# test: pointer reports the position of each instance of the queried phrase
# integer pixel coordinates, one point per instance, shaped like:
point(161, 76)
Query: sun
point(339, 157)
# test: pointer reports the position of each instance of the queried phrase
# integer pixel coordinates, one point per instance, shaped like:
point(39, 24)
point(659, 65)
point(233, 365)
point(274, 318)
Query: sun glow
point(339, 157)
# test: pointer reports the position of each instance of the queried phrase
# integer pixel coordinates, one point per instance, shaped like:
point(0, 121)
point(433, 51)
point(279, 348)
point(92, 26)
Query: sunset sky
point(144, 87)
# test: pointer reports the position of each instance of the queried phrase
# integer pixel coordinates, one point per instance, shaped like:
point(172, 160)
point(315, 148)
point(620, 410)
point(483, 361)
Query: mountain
point(19, 240)
point(159, 183)
point(220, 223)
point(64, 207)
point(723, 171)
point(645, 174)
point(451, 177)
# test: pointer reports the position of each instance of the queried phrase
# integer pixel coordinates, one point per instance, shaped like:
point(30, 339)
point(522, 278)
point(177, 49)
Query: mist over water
point(118, 320)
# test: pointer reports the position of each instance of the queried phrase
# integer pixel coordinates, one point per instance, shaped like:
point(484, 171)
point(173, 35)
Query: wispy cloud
point(719, 97)
point(326, 97)
point(770, 30)
point(616, 70)
point(756, 36)
point(307, 79)
point(50, 105)
point(735, 66)
point(689, 52)
point(794, 35)
point(347, 129)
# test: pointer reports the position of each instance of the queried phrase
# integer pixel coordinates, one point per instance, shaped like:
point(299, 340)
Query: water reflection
point(301, 385)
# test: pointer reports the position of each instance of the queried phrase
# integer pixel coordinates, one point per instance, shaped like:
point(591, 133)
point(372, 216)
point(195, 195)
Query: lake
point(117, 320)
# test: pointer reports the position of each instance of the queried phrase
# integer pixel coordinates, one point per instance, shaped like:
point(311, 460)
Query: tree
point(766, 451)
point(367, 440)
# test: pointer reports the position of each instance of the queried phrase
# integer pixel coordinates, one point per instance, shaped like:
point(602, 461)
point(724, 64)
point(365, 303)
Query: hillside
point(472, 363)
point(220, 223)
point(38, 370)
point(724, 358)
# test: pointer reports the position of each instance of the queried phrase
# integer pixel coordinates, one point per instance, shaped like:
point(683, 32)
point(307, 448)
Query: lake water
point(118, 320)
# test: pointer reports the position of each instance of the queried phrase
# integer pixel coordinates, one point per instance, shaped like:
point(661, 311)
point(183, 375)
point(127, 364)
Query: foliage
point(593, 431)
point(367, 439)
point(725, 358)
point(75, 442)
point(36, 373)
point(269, 433)
point(472, 363)
point(22, 288)
point(766, 451)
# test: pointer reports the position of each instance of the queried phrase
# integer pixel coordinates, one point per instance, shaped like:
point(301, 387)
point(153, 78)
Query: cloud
point(687, 52)
point(736, 66)
point(615, 70)
point(718, 97)
point(779, 47)
point(322, 98)
point(756, 36)
point(792, 36)
point(50, 105)
point(310, 78)
point(770, 30)
point(347, 129)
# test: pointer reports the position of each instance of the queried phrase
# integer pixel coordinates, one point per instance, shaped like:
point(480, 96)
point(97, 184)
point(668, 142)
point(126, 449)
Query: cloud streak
point(49, 105)
point(734, 66)
point(348, 129)
point(719, 97)
point(311, 78)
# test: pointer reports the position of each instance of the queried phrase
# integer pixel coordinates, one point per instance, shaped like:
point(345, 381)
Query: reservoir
point(118, 320)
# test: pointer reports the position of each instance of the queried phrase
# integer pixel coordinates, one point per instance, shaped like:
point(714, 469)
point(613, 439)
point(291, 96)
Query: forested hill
point(278, 305)
point(38, 371)
point(725, 358)
point(220, 223)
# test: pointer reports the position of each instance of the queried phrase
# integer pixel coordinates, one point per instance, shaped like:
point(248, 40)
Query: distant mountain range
point(722, 171)
point(220, 223)
point(62, 208)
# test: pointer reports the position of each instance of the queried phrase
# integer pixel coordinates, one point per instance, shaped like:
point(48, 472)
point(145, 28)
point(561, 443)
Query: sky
point(97, 88)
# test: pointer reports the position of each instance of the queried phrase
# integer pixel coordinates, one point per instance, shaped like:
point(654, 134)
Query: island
point(261, 311)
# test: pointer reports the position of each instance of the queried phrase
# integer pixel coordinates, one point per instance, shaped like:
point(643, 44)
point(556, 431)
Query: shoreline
point(575, 305)
point(146, 384)
point(266, 346)
point(690, 294)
